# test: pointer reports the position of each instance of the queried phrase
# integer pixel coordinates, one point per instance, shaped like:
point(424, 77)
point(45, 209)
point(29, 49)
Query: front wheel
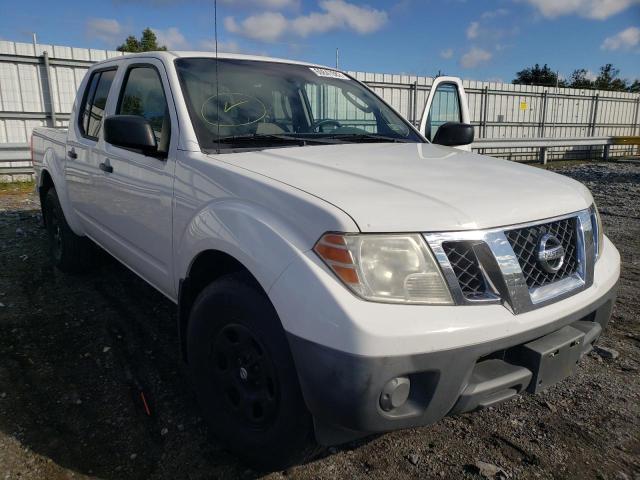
point(244, 375)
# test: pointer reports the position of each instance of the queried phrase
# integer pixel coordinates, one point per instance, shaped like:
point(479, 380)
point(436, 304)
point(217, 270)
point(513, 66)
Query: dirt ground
point(78, 353)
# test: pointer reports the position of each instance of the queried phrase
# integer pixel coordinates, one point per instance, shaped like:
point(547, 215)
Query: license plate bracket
point(550, 358)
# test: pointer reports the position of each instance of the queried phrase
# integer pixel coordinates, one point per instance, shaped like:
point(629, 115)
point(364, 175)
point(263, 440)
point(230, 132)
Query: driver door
point(447, 102)
point(137, 207)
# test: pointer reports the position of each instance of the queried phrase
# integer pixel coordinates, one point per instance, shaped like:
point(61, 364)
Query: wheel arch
point(52, 175)
point(206, 267)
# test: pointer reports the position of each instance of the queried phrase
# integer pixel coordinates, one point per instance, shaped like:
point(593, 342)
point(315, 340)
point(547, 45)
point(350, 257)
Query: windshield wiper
point(366, 137)
point(277, 138)
point(252, 137)
point(260, 140)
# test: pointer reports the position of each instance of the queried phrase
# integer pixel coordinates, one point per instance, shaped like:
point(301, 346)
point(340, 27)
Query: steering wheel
point(316, 127)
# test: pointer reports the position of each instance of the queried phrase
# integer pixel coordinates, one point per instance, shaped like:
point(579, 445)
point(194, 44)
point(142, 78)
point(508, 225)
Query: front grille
point(524, 242)
point(466, 267)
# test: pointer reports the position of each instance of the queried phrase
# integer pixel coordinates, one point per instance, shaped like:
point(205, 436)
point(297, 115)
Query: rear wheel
point(69, 252)
point(244, 375)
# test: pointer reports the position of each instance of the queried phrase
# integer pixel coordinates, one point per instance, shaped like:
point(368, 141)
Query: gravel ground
point(77, 353)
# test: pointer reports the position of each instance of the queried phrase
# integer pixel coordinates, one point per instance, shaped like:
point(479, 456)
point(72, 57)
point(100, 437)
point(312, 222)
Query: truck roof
point(172, 54)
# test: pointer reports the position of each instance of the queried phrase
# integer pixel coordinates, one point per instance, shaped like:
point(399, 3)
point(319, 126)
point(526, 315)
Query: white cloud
point(447, 53)
point(475, 57)
point(623, 40)
point(595, 9)
point(334, 15)
point(266, 26)
point(341, 14)
point(223, 47)
point(172, 38)
point(473, 30)
point(114, 33)
point(106, 29)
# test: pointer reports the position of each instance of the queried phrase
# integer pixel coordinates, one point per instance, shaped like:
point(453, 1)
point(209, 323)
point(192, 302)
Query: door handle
point(72, 154)
point(106, 168)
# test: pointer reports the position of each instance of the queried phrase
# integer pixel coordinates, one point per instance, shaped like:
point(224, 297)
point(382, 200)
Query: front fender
point(264, 242)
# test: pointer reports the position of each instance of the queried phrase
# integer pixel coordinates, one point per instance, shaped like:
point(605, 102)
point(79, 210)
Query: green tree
point(608, 79)
point(148, 42)
point(538, 75)
point(131, 44)
point(579, 79)
point(635, 87)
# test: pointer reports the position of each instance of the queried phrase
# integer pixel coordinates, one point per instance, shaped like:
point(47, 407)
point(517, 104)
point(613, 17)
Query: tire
point(245, 378)
point(68, 251)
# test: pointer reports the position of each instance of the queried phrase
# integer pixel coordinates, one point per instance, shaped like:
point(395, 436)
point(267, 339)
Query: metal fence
point(503, 110)
point(38, 84)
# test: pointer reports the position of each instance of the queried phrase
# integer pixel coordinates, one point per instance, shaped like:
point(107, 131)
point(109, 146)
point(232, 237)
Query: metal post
point(482, 107)
point(484, 114)
point(606, 151)
point(415, 103)
point(595, 115)
point(543, 115)
point(637, 126)
point(593, 121)
point(543, 155)
point(47, 71)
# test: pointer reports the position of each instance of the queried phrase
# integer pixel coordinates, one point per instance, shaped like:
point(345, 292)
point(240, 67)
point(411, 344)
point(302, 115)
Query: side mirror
point(453, 134)
point(130, 131)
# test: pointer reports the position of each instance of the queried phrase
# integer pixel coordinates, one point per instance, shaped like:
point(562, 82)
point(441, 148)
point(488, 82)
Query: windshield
point(266, 104)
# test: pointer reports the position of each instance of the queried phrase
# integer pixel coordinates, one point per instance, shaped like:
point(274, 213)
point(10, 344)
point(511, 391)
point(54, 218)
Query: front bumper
point(343, 390)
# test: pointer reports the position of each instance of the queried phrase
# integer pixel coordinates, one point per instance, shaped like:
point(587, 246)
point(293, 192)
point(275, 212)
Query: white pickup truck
point(337, 271)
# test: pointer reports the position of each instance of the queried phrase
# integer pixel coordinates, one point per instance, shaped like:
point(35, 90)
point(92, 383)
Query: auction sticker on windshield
point(325, 72)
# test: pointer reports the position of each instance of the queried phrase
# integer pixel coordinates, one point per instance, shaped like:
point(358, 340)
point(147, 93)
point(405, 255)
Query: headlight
point(385, 268)
point(598, 233)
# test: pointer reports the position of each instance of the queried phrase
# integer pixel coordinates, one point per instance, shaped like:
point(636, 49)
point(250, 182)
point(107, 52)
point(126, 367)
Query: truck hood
point(408, 187)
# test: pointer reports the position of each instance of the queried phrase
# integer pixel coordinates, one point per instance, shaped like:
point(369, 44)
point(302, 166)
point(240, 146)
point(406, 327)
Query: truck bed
point(44, 139)
point(57, 135)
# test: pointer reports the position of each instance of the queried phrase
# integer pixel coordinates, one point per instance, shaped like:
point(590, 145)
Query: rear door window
point(94, 103)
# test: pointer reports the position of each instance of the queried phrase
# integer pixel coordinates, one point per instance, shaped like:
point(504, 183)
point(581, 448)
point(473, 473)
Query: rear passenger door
point(81, 166)
point(136, 203)
point(447, 102)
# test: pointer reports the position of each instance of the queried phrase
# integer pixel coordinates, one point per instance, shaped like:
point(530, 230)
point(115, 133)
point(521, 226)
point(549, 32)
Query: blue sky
point(477, 39)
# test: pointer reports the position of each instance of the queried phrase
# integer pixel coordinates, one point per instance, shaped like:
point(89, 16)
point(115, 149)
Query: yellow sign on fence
point(523, 105)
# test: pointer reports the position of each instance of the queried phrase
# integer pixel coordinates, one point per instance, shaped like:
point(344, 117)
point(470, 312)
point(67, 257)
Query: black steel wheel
point(244, 375)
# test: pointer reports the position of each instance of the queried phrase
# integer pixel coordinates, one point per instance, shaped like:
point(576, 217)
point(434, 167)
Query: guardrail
point(13, 155)
point(15, 158)
point(15, 162)
point(545, 143)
